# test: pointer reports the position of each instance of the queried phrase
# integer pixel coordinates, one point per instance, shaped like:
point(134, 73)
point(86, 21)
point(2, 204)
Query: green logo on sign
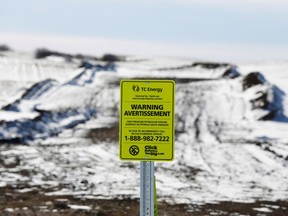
point(136, 88)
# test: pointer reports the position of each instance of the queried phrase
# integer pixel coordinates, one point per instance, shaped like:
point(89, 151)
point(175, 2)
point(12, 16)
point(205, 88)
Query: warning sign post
point(147, 131)
point(147, 120)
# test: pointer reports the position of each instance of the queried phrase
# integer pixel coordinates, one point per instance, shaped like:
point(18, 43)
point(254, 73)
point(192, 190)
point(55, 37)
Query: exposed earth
point(34, 203)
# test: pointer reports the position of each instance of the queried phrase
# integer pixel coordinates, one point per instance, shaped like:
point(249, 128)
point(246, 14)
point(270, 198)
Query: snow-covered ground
point(58, 129)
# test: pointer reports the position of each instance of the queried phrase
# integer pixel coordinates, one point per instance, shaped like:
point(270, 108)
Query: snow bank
point(231, 131)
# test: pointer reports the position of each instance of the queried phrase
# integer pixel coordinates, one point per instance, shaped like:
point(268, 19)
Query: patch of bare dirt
point(14, 203)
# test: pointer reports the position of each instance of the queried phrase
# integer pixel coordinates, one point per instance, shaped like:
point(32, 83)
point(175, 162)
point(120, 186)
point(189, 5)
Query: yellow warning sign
point(147, 120)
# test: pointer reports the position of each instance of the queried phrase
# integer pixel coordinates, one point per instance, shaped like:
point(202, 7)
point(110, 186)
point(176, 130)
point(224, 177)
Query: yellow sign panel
point(147, 120)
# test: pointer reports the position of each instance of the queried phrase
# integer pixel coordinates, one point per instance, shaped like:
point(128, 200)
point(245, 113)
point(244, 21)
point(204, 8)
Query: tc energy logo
point(136, 88)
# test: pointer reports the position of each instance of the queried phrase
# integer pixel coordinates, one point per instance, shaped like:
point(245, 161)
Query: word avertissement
point(154, 110)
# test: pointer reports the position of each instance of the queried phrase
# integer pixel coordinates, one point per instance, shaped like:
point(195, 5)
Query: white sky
point(214, 29)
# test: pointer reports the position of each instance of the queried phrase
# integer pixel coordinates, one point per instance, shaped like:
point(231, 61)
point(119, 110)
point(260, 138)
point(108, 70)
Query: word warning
point(147, 120)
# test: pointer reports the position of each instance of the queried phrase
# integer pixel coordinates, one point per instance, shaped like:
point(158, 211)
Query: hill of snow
point(59, 129)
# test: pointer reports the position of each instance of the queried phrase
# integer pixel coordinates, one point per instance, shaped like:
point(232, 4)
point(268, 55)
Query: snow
point(9, 210)
point(3, 184)
point(223, 152)
point(80, 207)
point(263, 209)
point(12, 116)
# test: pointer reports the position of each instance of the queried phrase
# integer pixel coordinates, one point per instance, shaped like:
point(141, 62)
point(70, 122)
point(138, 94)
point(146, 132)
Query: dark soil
point(13, 203)
point(107, 134)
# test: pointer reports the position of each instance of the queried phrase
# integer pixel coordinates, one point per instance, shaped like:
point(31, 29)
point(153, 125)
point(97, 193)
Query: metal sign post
point(146, 131)
point(146, 188)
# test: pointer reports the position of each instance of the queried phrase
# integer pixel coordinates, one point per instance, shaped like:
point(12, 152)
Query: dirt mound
point(231, 73)
point(252, 79)
point(210, 65)
point(265, 96)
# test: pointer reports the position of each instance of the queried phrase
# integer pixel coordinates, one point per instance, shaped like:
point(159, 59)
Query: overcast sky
point(214, 29)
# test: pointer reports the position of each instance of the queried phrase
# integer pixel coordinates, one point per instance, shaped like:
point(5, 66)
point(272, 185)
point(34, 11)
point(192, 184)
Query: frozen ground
point(59, 130)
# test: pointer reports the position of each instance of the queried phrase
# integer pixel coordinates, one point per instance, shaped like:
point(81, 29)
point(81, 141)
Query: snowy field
point(59, 129)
